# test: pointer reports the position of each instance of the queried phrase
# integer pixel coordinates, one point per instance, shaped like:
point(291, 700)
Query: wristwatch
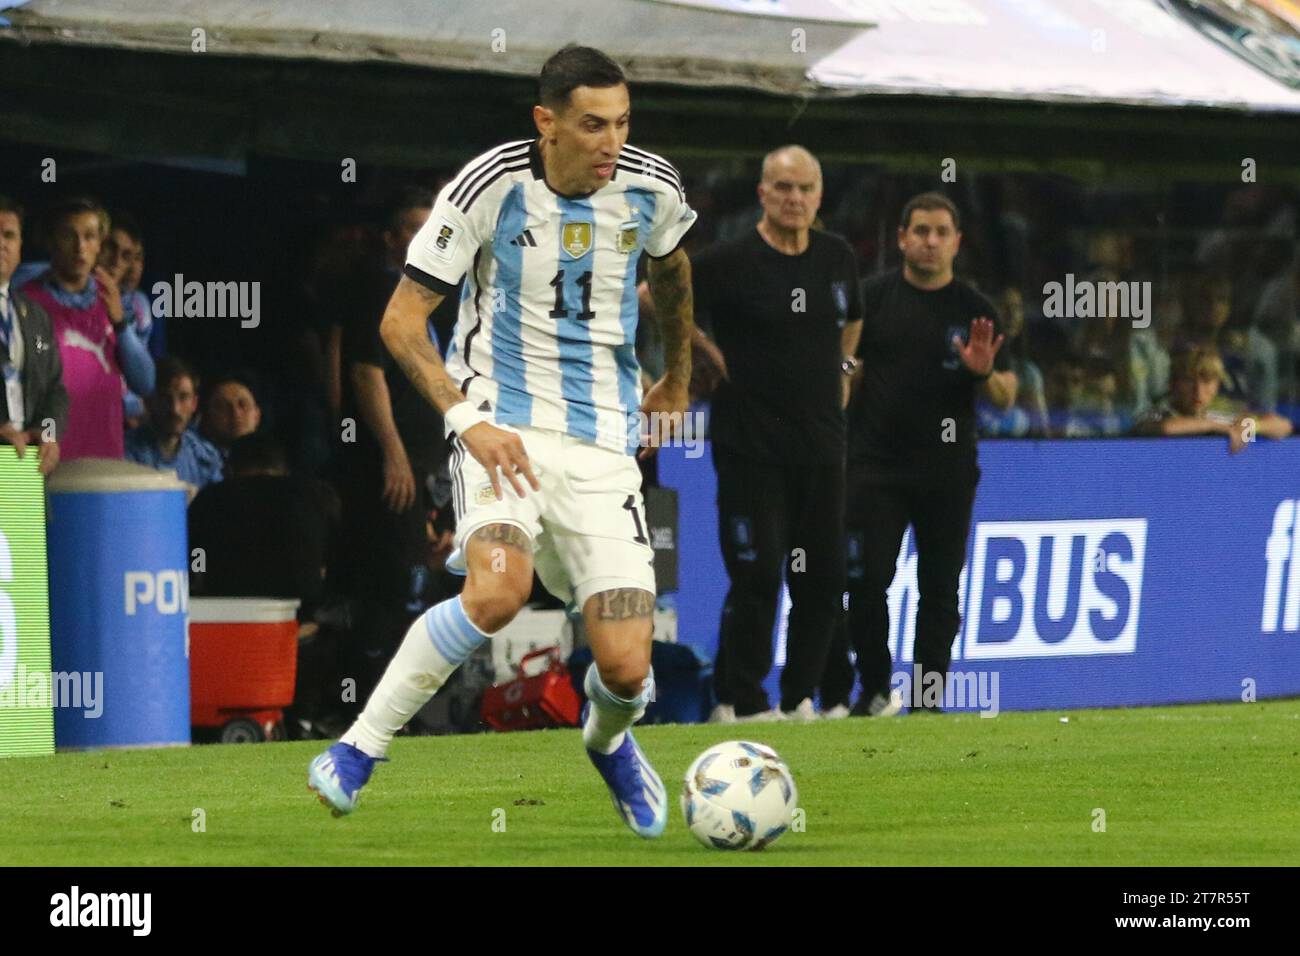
point(849, 365)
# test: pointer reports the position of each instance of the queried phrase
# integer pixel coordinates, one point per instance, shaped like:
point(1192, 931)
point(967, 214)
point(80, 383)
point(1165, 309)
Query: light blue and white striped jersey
point(547, 326)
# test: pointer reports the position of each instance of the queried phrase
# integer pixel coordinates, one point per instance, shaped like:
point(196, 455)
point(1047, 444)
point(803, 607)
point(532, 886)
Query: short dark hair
point(169, 369)
point(11, 205)
point(257, 452)
point(572, 67)
point(242, 376)
point(404, 198)
point(129, 225)
point(929, 202)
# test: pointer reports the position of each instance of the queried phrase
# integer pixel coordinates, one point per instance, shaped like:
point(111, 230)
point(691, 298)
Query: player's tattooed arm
point(622, 604)
point(669, 279)
point(667, 400)
point(404, 332)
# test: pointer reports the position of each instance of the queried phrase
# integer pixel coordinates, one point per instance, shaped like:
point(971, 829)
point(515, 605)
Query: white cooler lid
point(109, 475)
point(257, 610)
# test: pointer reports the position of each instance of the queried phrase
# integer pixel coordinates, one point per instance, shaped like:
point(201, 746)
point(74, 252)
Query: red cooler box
point(243, 664)
point(544, 699)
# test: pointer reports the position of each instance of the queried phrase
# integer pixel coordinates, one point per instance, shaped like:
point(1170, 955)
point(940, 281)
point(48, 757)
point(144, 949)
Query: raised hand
point(981, 347)
point(109, 292)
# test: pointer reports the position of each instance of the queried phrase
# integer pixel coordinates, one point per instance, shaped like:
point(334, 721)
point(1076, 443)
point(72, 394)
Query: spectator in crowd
point(929, 343)
point(1195, 407)
point(123, 259)
point(34, 403)
point(334, 255)
point(1028, 416)
point(1089, 406)
point(300, 355)
point(1277, 315)
point(1063, 382)
point(1149, 357)
point(230, 411)
point(393, 448)
point(1249, 358)
point(263, 531)
point(96, 344)
point(778, 440)
point(166, 441)
point(1245, 247)
point(122, 256)
point(1102, 405)
point(1119, 369)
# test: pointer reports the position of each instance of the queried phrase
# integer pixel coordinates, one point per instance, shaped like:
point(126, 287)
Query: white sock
point(435, 645)
point(610, 716)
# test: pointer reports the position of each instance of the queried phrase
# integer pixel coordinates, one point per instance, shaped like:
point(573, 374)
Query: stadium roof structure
point(1065, 84)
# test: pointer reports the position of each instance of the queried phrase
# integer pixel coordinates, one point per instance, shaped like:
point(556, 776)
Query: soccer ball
point(738, 796)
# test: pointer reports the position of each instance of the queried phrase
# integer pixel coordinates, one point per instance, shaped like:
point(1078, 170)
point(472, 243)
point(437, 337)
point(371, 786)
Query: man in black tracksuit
point(782, 302)
point(928, 342)
point(385, 473)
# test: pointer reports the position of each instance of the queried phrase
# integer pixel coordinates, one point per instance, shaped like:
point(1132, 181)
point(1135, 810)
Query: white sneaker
point(838, 712)
point(723, 714)
point(805, 711)
point(882, 706)
point(762, 717)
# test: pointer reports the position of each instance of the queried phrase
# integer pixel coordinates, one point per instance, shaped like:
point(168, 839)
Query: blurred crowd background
point(1221, 261)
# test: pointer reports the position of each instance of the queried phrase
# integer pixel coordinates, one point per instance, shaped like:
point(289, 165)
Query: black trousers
point(383, 568)
point(878, 512)
point(773, 518)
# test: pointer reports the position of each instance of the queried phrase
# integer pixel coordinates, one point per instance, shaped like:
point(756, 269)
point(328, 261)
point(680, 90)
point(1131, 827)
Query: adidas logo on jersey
point(525, 238)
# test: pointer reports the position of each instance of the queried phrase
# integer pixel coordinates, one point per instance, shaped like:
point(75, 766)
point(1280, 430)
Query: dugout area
point(391, 85)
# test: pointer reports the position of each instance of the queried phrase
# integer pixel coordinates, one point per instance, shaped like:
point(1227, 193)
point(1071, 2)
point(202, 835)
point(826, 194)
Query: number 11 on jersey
point(560, 312)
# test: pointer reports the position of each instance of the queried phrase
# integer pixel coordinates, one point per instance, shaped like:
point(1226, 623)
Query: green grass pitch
point(1194, 785)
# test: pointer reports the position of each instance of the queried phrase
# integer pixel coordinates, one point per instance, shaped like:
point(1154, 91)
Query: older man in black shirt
point(782, 301)
point(928, 342)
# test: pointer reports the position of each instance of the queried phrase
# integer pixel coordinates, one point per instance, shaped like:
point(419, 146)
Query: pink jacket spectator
point(88, 348)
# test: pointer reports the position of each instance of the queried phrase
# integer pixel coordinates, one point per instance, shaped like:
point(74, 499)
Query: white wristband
point(463, 416)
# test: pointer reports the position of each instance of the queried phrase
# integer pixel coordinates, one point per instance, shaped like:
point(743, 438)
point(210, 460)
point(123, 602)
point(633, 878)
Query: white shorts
point(587, 523)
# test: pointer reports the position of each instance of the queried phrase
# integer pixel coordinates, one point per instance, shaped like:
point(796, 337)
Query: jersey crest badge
point(840, 293)
point(953, 362)
point(576, 239)
point(627, 236)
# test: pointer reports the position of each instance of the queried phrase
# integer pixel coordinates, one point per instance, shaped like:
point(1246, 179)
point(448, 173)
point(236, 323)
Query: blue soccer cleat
point(338, 775)
point(635, 789)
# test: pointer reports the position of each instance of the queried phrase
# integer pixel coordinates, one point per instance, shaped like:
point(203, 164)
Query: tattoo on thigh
point(507, 534)
point(622, 604)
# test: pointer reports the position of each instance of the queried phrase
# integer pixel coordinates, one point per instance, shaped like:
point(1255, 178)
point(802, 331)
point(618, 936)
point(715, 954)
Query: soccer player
point(540, 394)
